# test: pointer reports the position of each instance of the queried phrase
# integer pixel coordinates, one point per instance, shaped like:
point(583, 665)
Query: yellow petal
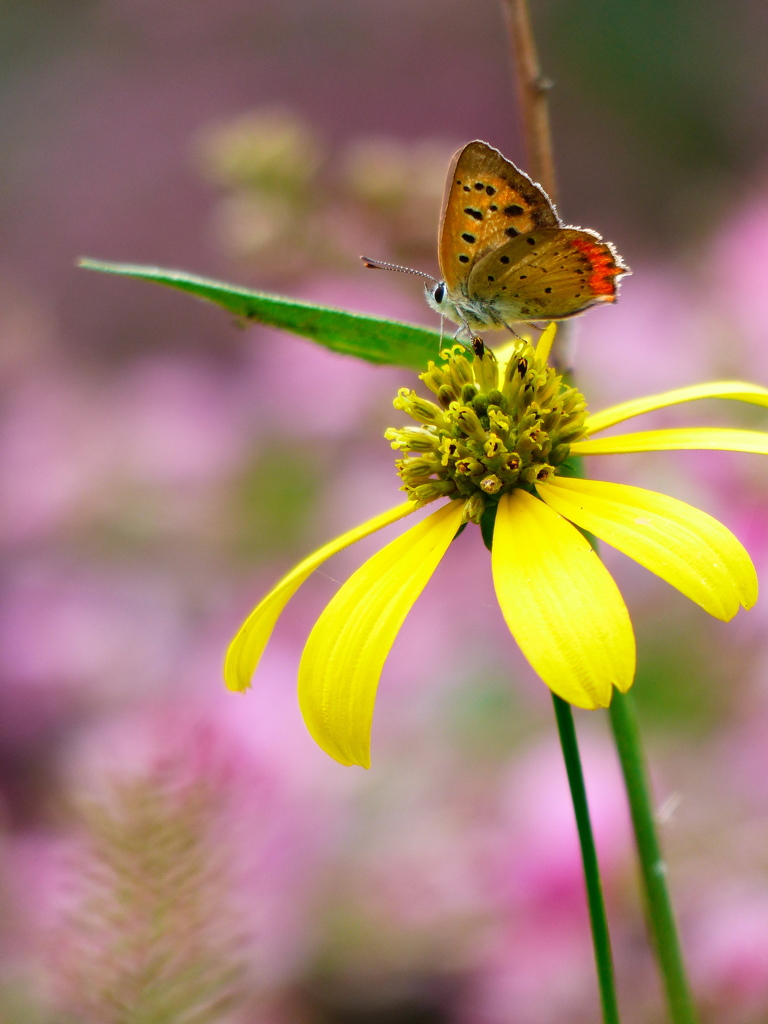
point(683, 545)
point(678, 439)
point(732, 389)
point(544, 346)
point(345, 653)
point(560, 603)
point(247, 647)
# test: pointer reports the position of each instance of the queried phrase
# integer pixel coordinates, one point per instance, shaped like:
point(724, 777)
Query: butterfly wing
point(548, 274)
point(487, 202)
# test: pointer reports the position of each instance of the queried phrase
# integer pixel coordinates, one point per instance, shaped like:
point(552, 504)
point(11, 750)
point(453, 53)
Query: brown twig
point(532, 90)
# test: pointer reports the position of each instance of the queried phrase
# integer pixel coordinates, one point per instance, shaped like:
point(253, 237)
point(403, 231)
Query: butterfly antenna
point(379, 265)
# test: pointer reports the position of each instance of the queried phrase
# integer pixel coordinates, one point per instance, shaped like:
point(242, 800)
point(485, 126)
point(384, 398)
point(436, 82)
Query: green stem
point(597, 917)
point(598, 920)
point(661, 919)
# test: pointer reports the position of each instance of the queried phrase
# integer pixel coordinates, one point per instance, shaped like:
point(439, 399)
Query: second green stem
point(661, 919)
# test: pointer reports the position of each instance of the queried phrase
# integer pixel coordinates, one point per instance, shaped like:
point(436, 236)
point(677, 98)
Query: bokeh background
point(171, 852)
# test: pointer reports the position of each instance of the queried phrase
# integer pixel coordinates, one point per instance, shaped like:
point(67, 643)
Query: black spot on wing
point(490, 190)
point(511, 232)
point(463, 258)
point(477, 214)
point(469, 238)
point(503, 259)
point(514, 210)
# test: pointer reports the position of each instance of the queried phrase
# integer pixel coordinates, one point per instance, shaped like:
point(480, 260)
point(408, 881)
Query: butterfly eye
point(439, 292)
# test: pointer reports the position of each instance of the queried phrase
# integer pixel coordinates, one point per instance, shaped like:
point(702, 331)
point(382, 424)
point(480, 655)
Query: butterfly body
point(505, 257)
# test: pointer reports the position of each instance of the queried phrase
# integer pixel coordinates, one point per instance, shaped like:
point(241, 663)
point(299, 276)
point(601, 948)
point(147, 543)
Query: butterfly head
point(436, 294)
point(461, 309)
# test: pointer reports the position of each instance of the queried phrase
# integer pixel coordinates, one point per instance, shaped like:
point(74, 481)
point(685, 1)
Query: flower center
point(492, 429)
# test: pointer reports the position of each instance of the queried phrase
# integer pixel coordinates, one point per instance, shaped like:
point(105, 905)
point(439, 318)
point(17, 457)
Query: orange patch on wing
point(602, 267)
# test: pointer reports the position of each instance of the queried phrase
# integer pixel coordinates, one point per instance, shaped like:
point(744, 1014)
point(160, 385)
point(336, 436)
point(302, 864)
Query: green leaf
point(367, 337)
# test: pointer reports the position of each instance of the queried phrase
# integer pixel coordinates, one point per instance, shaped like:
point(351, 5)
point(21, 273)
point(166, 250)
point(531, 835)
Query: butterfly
point(505, 257)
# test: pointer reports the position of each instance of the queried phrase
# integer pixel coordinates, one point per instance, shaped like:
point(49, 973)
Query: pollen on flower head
point(493, 428)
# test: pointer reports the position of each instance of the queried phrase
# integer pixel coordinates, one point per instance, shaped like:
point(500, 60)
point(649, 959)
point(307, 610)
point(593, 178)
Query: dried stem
point(532, 90)
point(532, 93)
point(532, 98)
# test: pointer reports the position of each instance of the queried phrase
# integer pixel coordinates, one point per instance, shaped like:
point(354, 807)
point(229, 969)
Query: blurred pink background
point(160, 468)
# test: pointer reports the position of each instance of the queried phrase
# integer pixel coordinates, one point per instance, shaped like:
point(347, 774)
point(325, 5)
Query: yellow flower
point(495, 448)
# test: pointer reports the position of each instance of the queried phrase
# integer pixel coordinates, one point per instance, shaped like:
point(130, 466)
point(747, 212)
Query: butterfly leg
point(512, 331)
point(464, 329)
point(471, 338)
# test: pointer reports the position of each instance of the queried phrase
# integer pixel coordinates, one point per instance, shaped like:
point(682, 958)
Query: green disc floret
point(492, 429)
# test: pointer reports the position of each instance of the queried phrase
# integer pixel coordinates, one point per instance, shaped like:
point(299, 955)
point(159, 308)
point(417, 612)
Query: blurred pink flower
point(736, 272)
point(653, 339)
point(74, 630)
point(535, 860)
point(177, 422)
point(536, 959)
point(70, 448)
point(53, 453)
point(728, 951)
point(534, 973)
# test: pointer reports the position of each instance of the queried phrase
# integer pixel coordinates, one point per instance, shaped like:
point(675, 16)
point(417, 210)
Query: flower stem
point(597, 917)
point(661, 918)
point(598, 920)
